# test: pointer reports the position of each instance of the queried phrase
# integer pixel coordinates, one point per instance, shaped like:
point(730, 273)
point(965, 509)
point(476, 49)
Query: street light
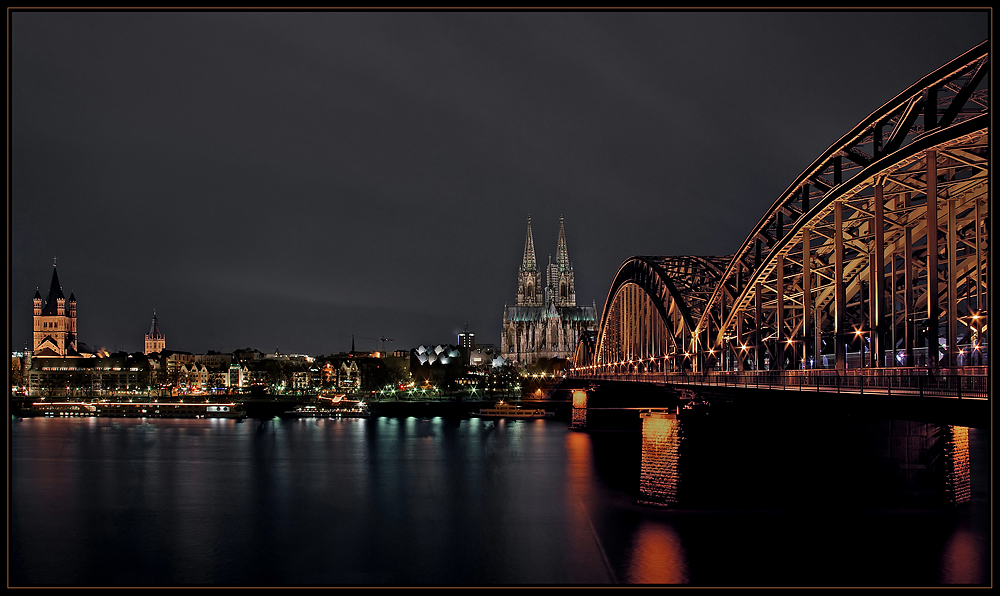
point(858, 334)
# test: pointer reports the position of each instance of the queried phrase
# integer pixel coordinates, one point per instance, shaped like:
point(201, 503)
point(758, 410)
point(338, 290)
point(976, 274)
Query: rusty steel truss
point(853, 266)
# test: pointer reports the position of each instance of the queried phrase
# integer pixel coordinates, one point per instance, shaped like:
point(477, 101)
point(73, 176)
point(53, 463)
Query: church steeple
point(154, 341)
point(564, 286)
point(529, 278)
point(154, 327)
point(528, 263)
point(55, 303)
point(562, 253)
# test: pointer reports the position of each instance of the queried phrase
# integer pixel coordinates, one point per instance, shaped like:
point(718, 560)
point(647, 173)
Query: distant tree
point(16, 373)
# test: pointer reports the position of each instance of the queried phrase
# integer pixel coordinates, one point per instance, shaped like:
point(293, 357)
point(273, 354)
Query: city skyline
point(292, 180)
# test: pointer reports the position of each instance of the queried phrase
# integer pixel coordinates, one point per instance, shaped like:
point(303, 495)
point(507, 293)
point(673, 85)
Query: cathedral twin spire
point(529, 264)
point(562, 253)
point(529, 278)
point(560, 288)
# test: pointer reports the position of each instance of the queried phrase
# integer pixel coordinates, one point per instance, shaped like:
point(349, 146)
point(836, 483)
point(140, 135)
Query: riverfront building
point(154, 341)
point(545, 321)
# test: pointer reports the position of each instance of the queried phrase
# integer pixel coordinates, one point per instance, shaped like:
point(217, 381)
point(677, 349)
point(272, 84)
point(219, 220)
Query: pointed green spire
point(529, 264)
point(562, 253)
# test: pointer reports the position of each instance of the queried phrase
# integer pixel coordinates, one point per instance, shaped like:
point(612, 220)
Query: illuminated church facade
point(54, 322)
point(545, 321)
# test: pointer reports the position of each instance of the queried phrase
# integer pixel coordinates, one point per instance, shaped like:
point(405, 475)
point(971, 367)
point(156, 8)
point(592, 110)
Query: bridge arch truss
point(876, 256)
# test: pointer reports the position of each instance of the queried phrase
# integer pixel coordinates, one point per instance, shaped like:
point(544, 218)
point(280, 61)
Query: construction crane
point(382, 339)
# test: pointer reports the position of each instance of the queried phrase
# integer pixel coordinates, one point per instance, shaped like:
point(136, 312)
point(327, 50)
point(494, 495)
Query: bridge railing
point(962, 383)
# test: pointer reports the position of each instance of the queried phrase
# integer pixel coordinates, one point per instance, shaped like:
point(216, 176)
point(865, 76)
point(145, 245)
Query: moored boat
point(336, 407)
point(505, 410)
point(117, 409)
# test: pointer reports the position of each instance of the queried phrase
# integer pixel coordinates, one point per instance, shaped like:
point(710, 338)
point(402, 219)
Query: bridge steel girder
point(851, 257)
point(862, 224)
point(651, 314)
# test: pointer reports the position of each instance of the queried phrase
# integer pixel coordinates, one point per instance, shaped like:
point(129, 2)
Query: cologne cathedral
point(545, 322)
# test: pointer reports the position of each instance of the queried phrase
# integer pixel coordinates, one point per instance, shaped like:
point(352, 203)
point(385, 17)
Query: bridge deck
point(887, 382)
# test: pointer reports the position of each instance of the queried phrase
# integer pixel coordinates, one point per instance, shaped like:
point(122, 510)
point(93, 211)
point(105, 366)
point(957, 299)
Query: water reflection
point(961, 563)
point(418, 502)
point(581, 506)
point(656, 556)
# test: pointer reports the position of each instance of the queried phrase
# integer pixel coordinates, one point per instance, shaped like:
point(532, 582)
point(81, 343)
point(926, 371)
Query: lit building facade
point(545, 321)
point(466, 339)
point(154, 341)
point(54, 323)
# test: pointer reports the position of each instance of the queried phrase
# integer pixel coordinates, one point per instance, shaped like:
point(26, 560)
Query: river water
point(425, 502)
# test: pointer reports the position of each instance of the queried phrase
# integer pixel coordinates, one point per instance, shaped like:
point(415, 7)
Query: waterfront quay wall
point(266, 407)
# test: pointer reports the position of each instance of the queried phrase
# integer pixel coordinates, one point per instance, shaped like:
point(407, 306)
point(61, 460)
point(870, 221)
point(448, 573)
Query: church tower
point(155, 341)
point(54, 322)
point(529, 279)
point(545, 323)
point(564, 287)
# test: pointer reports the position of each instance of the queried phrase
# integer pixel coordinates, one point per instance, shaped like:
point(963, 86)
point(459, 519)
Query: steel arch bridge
point(852, 269)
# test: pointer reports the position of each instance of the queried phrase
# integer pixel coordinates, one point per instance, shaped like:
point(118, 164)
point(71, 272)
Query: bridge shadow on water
point(748, 454)
point(735, 493)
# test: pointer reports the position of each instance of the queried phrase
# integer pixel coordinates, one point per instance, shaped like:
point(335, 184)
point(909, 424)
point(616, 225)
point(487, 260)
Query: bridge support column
point(909, 308)
point(951, 358)
point(779, 317)
point(738, 348)
point(579, 416)
point(840, 291)
point(877, 282)
point(659, 471)
point(759, 349)
point(806, 297)
point(933, 287)
point(959, 474)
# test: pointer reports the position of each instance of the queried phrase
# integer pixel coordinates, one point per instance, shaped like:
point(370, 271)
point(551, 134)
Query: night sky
point(283, 180)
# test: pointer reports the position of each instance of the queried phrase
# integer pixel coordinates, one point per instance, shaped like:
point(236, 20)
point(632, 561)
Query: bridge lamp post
point(724, 353)
point(789, 346)
point(859, 335)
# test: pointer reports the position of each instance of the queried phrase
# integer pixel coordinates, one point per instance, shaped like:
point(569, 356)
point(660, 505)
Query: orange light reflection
point(657, 556)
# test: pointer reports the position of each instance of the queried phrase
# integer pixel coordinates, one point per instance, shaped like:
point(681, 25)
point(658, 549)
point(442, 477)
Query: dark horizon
point(290, 180)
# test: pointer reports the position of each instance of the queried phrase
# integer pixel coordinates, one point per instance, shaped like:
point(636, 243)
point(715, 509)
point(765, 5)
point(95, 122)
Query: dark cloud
point(291, 178)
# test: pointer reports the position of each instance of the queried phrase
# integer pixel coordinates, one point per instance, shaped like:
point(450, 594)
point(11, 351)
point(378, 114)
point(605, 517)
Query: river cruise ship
point(336, 406)
point(166, 409)
point(505, 410)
